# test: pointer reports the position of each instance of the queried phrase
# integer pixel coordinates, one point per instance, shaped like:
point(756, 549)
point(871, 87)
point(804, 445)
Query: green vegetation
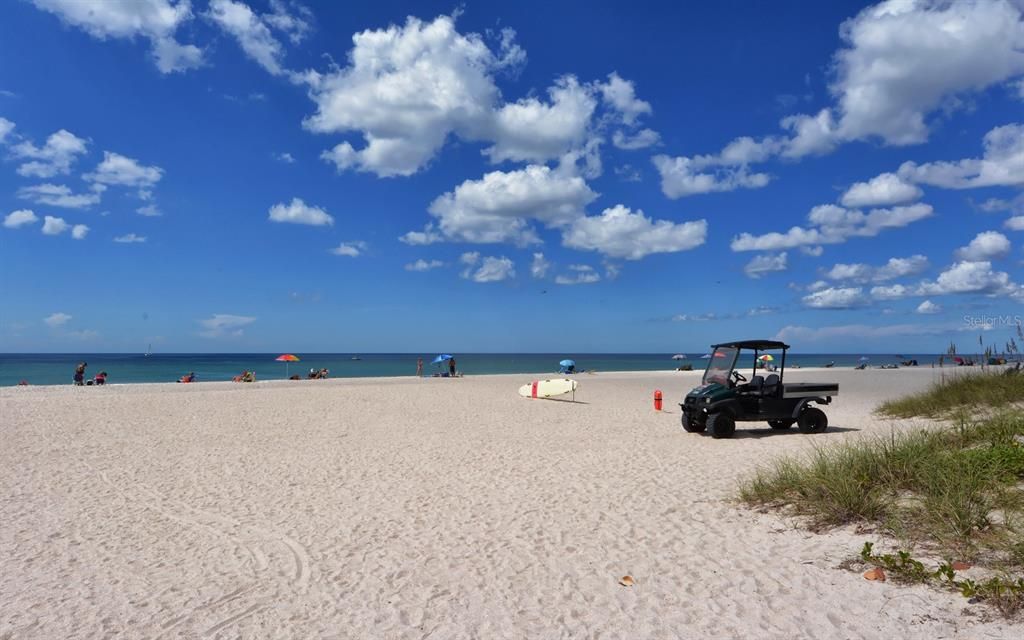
point(956, 491)
point(960, 391)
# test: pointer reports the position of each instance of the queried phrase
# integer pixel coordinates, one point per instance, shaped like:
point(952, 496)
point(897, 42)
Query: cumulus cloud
point(928, 307)
point(251, 32)
point(894, 268)
point(1016, 223)
point(621, 233)
point(79, 231)
point(428, 236)
point(285, 158)
point(20, 218)
point(682, 176)
point(985, 246)
point(540, 265)
point(130, 238)
point(6, 126)
point(487, 269)
point(639, 140)
point(55, 157)
point(620, 94)
point(224, 325)
point(59, 195)
point(155, 20)
point(891, 292)
point(1001, 164)
point(832, 224)
point(970, 277)
point(424, 265)
point(57, 319)
point(500, 206)
point(298, 212)
point(767, 263)
point(54, 226)
point(351, 249)
point(580, 274)
point(122, 171)
point(883, 190)
point(296, 24)
point(836, 298)
point(149, 211)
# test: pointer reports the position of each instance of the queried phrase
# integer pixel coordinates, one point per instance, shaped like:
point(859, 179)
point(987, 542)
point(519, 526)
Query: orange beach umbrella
point(286, 358)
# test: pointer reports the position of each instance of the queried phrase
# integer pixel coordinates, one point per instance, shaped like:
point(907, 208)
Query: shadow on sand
point(768, 432)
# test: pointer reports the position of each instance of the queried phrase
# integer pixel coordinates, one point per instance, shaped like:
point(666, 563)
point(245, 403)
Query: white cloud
point(350, 249)
point(620, 94)
point(498, 207)
point(221, 325)
point(533, 131)
point(286, 158)
point(882, 190)
point(836, 298)
point(682, 176)
point(620, 233)
point(928, 307)
point(488, 269)
point(814, 252)
point(130, 238)
point(149, 211)
point(969, 277)
point(56, 156)
point(582, 274)
point(79, 231)
point(295, 25)
point(252, 34)
point(122, 171)
point(298, 212)
point(811, 135)
point(640, 140)
point(57, 319)
point(20, 218)
point(1002, 164)
point(767, 263)
point(423, 265)
point(894, 268)
point(540, 265)
point(6, 126)
point(427, 236)
point(406, 89)
point(1016, 223)
point(58, 195)
point(54, 226)
point(985, 246)
point(891, 292)
point(904, 59)
point(156, 20)
point(832, 224)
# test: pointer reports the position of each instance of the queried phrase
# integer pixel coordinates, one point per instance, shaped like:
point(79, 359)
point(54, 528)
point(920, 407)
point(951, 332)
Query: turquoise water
point(57, 368)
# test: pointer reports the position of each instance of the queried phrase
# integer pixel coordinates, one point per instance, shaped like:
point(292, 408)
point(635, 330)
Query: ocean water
point(57, 368)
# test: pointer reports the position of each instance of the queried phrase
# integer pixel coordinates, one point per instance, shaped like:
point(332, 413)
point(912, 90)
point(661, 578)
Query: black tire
point(780, 425)
point(721, 425)
point(812, 420)
point(691, 425)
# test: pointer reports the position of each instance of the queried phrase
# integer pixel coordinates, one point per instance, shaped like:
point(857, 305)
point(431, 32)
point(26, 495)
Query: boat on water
point(355, 358)
point(149, 351)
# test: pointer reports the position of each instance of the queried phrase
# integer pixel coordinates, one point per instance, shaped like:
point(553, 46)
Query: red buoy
point(657, 400)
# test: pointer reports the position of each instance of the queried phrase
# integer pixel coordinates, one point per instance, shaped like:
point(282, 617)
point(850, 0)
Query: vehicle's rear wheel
point(780, 424)
point(812, 420)
point(721, 425)
point(693, 424)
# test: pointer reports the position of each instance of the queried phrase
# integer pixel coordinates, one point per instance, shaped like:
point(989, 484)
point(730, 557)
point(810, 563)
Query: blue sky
point(275, 175)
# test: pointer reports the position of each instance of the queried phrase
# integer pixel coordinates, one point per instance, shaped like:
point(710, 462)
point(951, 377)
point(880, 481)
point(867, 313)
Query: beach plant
point(989, 390)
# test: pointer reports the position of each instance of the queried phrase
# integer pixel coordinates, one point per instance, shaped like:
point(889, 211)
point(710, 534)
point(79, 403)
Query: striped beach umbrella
point(286, 358)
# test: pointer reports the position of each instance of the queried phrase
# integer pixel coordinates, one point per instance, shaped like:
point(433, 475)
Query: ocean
point(57, 368)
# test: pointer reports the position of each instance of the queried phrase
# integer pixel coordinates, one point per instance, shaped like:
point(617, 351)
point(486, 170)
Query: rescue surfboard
point(548, 388)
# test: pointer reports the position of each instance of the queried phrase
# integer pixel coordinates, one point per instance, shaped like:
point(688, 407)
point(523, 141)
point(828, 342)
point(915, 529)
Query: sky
point(276, 175)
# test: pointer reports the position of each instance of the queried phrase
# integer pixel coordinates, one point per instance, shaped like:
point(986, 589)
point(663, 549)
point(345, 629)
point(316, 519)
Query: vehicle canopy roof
point(760, 345)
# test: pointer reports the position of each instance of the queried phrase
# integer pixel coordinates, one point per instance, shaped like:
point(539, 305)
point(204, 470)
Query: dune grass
point(960, 391)
point(956, 491)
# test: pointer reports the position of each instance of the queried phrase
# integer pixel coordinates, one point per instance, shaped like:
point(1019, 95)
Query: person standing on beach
point(451, 368)
point(79, 376)
point(419, 367)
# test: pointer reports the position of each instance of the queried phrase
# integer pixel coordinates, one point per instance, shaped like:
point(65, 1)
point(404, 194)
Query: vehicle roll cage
point(757, 346)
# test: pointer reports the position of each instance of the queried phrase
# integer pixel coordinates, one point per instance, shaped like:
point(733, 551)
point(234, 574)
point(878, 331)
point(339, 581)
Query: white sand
point(438, 508)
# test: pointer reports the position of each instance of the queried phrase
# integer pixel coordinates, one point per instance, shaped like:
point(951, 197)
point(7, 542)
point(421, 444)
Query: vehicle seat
point(771, 385)
point(755, 384)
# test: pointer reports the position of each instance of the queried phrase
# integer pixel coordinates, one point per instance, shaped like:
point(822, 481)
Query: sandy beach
point(426, 508)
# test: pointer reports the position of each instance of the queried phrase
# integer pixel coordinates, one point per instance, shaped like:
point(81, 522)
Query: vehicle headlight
point(707, 400)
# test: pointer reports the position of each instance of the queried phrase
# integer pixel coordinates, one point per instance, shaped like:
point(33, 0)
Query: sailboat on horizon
point(149, 350)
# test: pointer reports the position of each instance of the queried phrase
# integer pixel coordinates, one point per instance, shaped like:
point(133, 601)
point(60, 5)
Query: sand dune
point(434, 508)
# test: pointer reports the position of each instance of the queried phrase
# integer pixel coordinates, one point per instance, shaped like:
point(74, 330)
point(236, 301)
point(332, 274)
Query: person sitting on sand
point(249, 376)
point(313, 373)
point(101, 378)
point(190, 377)
point(79, 376)
point(324, 374)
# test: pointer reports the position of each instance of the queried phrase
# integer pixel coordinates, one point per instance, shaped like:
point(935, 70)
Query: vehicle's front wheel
point(812, 420)
point(721, 425)
point(693, 424)
point(780, 424)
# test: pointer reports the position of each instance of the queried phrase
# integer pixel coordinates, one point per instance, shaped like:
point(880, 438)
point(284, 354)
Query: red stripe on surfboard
point(534, 391)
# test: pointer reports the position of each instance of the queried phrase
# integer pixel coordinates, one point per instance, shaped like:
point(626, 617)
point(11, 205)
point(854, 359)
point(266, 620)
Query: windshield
point(720, 365)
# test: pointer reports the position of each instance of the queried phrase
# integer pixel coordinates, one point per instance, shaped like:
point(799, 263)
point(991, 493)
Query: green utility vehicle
point(726, 396)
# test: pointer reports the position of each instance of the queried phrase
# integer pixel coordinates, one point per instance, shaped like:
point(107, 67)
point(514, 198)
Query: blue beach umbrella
point(705, 356)
point(864, 358)
point(442, 358)
point(567, 363)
